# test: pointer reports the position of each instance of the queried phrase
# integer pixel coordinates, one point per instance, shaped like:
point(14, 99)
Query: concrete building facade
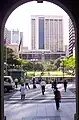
point(48, 32)
point(33, 34)
point(13, 36)
point(15, 48)
point(67, 50)
point(71, 37)
point(7, 35)
point(40, 55)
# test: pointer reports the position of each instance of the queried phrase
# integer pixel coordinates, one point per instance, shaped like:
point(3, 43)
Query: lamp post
point(5, 67)
point(63, 69)
point(34, 66)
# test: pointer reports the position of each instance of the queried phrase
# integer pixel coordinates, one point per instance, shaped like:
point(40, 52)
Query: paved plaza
point(39, 107)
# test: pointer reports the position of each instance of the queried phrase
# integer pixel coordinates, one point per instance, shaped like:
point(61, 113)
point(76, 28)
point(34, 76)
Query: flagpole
point(6, 54)
point(6, 59)
point(20, 51)
point(21, 58)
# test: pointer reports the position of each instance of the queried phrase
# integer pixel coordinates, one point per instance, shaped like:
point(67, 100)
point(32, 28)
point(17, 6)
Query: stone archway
point(68, 6)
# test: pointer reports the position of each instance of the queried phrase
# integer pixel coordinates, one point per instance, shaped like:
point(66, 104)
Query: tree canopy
point(68, 63)
point(9, 55)
point(12, 59)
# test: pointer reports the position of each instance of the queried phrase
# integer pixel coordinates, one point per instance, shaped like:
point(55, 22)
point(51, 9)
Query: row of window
point(39, 56)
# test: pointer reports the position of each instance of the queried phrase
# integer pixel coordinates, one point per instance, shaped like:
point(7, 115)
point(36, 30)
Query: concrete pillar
point(1, 76)
point(76, 116)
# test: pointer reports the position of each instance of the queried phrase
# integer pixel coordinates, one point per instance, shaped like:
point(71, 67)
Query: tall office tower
point(33, 33)
point(48, 31)
point(71, 37)
point(53, 35)
point(7, 35)
point(15, 37)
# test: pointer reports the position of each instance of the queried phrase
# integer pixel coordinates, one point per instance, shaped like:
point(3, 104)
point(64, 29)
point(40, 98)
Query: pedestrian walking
point(43, 84)
point(16, 82)
point(27, 84)
point(57, 98)
point(55, 84)
point(22, 90)
point(52, 84)
point(34, 84)
point(65, 85)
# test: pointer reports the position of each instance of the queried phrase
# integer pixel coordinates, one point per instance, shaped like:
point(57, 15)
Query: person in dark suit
point(34, 84)
point(57, 98)
point(65, 85)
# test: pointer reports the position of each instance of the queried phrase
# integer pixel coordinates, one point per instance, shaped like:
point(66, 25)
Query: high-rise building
point(74, 50)
point(71, 37)
point(15, 37)
point(47, 32)
point(33, 33)
point(7, 35)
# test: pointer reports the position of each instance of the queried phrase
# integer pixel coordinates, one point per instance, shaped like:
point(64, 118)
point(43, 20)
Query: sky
point(20, 18)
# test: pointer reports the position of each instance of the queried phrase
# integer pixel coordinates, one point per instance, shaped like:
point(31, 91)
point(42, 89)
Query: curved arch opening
point(57, 3)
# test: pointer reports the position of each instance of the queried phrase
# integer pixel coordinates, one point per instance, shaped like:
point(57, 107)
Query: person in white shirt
point(43, 84)
point(22, 90)
point(16, 82)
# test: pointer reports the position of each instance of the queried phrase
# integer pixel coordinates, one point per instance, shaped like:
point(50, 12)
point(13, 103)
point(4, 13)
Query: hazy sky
point(20, 18)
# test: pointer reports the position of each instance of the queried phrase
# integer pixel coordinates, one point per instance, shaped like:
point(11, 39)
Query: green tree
point(38, 67)
point(10, 53)
point(57, 63)
point(68, 63)
point(49, 66)
point(9, 56)
point(28, 66)
point(52, 62)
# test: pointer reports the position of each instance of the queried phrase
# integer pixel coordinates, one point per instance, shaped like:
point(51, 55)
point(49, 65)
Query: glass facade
point(41, 32)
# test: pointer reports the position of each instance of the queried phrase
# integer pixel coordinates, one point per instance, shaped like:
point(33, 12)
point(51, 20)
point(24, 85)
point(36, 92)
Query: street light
point(63, 69)
point(5, 67)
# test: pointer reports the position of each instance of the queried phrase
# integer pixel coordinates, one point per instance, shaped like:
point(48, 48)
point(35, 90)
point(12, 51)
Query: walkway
point(39, 107)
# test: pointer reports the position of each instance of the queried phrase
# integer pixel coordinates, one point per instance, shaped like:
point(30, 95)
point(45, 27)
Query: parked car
point(8, 83)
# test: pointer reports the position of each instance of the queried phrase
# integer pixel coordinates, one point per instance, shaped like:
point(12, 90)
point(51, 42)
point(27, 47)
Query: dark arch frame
point(21, 2)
